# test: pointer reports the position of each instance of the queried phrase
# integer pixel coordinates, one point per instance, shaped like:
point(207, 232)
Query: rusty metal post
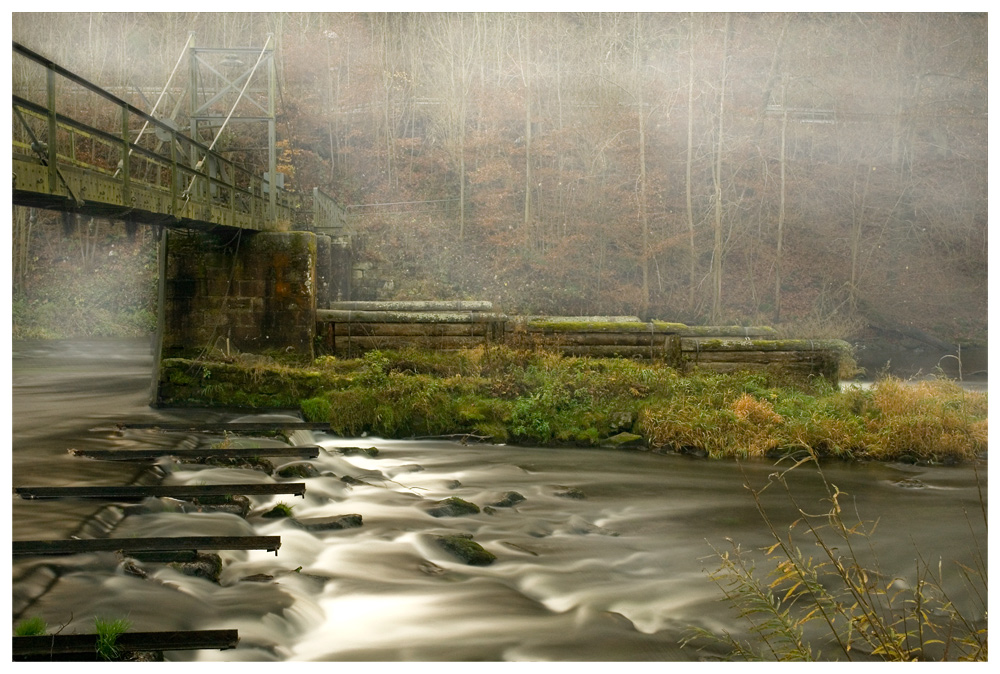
point(50, 86)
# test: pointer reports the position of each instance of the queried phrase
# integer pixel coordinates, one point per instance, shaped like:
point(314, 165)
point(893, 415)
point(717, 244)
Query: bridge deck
point(162, 177)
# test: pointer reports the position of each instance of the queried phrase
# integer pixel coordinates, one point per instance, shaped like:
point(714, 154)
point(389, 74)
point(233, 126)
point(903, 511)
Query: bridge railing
point(327, 213)
point(64, 163)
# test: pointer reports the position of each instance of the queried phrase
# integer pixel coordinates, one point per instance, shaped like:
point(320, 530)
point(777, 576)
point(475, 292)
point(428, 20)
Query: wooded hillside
point(692, 167)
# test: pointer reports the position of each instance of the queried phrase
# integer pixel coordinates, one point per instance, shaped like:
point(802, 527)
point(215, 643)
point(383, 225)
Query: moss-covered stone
point(204, 565)
point(508, 500)
point(625, 439)
point(358, 451)
point(466, 549)
point(336, 523)
point(280, 510)
point(301, 470)
point(453, 507)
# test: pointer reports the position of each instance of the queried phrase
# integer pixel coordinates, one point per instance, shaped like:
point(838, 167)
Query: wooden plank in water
point(83, 644)
point(308, 451)
point(218, 427)
point(135, 492)
point(74, 546)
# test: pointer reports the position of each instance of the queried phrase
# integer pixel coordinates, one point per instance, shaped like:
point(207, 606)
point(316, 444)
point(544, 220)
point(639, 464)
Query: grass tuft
point(108, 632)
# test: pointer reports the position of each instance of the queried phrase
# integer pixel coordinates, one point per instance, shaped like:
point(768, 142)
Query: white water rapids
point(619, 574)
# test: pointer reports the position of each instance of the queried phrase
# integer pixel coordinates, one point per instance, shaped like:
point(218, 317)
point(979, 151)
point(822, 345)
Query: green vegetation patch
point(542, 398)
point(30, 627)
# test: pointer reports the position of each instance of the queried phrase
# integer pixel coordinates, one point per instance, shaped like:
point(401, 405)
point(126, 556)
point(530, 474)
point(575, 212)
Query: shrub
point(862, 612)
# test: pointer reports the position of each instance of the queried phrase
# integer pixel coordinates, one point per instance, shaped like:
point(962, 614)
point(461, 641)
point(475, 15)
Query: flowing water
point(604, 559)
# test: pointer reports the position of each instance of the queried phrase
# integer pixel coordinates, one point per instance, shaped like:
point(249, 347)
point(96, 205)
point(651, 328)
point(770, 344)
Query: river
point(617, 573)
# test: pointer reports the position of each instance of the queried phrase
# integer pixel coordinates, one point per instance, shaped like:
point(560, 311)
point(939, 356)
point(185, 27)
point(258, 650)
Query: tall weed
point(840, 600)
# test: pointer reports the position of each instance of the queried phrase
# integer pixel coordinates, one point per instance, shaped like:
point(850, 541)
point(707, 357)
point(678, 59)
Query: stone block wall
point(251, 292)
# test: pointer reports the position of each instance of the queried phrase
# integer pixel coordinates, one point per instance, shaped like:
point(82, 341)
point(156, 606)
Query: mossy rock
point(205, 565)
point(571, 492)
point(298, 470)
point(466, 549)
point(625, 439)
point(250, 463)
point(358, 451)
point(236, 504)
point(336, 523)
point(508, 500)
point(280, 510)
point(453, 507)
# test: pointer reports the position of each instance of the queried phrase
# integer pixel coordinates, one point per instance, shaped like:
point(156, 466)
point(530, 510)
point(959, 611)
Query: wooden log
point(359, 342)
point(706, 331)
point(543, 325)
point(340, 316)
point(75, 546)
point(615, 351)
point(801, 369)
point(414, 305)
point(84, 644)
point(578, 319)
point(735, 345)
point(133, 492)
point(411, 329)
point(138, 455)
point(757, 356)
point(658, 340)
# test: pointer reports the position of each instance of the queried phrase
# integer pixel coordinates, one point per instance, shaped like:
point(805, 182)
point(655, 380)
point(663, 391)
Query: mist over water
point(616, 575)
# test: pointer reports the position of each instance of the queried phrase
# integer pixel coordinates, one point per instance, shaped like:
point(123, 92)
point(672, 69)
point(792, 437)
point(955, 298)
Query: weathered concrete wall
point(248, 292)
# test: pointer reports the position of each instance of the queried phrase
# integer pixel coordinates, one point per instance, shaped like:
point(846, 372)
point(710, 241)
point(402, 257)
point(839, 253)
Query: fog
point(827, 171)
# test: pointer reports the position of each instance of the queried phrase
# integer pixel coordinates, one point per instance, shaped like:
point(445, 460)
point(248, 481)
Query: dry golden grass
point(755, 411)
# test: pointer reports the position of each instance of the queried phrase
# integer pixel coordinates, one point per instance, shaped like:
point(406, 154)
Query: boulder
point(453, 507)
point(466, 549)
point(508, 500)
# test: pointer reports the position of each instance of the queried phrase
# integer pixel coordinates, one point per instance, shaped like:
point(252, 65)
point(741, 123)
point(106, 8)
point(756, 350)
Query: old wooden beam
point(614, 351)
point(410, 329)
point(757, 356)
point(547, 325)
point(416, 305)
point(707, 331)
point(730, 345)
point(74, 546)
point(307, 451)
point(646, 339)
point(134, 492)
point(84, 644)
point(342, 316)
point(364, 343)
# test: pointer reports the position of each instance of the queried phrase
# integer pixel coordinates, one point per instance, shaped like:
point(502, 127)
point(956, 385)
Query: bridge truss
point(77, 148)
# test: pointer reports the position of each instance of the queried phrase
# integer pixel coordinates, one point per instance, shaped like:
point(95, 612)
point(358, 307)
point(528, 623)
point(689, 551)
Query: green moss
point(453, 507)
point(466, 549)
point(542, 398)
point(30, 627)
point(280, 510)
point(601, 326)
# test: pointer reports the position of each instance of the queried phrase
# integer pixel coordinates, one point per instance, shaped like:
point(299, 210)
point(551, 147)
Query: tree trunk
point(717, 182)
point(781, 207)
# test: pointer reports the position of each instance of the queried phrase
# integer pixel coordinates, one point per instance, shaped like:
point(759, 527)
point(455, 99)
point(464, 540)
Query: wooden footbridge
point(78, 148)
